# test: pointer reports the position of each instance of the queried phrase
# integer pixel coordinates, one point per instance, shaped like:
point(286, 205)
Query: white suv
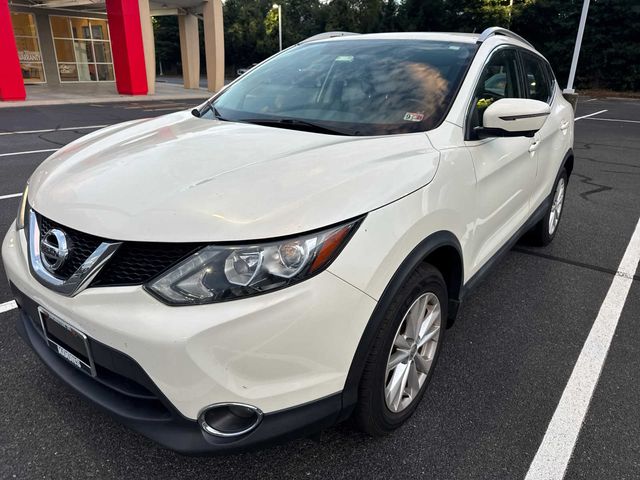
point(289, 254)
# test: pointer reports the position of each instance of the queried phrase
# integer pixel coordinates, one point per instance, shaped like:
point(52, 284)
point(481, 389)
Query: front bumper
point(151, 414)
point(275, 351)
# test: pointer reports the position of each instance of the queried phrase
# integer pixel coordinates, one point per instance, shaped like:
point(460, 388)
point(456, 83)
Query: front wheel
point(545, 230)
point(403, 356)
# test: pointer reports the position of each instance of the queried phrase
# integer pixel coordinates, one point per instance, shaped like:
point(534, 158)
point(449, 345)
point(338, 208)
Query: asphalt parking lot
point(502, 372)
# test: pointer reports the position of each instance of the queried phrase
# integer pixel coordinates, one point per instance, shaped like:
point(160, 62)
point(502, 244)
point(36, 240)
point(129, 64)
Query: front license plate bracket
point(67, 341)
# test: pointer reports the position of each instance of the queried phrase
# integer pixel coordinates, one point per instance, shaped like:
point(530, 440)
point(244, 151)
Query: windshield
point(350, 87)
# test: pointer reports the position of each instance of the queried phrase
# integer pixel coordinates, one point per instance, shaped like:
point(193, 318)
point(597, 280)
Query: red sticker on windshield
point(413, 117)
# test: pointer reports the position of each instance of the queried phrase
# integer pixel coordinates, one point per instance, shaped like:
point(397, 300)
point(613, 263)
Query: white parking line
point(28, 152)
point(11, 195)
point(590, 115)
point(20, 132)
point(614, 120)
point(162, 109)
point(552, 458)
point(5, 307)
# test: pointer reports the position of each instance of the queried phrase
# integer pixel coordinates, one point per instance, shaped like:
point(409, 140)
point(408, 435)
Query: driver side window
point(499, 79)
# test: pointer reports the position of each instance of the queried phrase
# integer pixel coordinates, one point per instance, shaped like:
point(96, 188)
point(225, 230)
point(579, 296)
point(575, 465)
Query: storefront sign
point(29, 56)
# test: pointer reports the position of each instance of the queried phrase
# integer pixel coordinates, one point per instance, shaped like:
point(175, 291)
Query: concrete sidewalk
point(79, 93)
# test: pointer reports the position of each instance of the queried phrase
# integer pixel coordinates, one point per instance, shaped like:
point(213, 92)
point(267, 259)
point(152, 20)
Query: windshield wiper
point(208, 105)
point(295, 124)
point(216, 113)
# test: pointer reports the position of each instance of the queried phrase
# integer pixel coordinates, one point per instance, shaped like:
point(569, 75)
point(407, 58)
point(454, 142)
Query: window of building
point(83, 49)
point(26, 33)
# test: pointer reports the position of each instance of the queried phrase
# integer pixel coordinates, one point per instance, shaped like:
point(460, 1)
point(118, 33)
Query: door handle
point(534, 146)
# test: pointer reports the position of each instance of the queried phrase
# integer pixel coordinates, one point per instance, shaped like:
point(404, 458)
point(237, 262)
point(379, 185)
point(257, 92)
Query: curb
point(114, 99)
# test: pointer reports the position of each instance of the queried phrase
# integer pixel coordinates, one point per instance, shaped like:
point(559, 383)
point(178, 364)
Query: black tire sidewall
point(548, 236)
point(425, 279)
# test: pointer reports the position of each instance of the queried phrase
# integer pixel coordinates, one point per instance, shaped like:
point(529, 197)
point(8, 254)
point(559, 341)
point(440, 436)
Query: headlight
point(218, 273)
point(22, 209)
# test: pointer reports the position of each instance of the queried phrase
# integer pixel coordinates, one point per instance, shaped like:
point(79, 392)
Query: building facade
point(64, 42)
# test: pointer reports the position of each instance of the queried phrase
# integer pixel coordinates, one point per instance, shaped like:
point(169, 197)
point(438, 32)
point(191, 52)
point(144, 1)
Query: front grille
point(81, 245)
point(134, 263)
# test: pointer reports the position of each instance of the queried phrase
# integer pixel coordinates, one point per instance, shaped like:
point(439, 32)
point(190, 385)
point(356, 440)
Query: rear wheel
point(401, 361)
point(545, 230)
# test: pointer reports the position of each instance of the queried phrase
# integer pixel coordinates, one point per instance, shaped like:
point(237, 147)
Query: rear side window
point(536, 78)
point(552, 77)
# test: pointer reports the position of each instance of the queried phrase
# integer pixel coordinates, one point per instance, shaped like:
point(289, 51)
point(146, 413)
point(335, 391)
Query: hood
point(178, 178)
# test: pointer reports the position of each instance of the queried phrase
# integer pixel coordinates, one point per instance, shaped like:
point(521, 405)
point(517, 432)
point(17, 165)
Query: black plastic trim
point(567, 155)
point(527, 115)
point(417, 256)
point(488, 132)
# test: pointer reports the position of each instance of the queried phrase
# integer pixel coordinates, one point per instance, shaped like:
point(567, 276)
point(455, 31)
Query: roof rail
point(501, 31)
point(325, 35)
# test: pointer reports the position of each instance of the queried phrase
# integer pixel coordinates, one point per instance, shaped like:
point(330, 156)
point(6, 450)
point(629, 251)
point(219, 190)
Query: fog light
point(229, 419)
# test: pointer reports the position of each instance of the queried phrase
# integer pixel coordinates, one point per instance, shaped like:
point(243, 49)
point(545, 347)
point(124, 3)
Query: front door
point(505, 167)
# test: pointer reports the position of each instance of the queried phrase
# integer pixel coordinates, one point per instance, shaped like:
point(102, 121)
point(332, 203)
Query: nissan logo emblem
point(54, 249)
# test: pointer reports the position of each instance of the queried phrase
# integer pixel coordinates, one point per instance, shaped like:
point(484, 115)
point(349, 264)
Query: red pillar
point(127, 47)
point(11, 83)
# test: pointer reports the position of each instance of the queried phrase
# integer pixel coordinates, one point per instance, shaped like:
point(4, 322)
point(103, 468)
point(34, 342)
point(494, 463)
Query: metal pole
point(280, 25)
point(576, 50)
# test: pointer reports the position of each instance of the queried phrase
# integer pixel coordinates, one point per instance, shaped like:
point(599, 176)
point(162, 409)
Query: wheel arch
point(440, 249)
point(567, 163)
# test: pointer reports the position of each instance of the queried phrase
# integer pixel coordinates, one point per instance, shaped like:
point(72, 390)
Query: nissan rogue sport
point(290, 253)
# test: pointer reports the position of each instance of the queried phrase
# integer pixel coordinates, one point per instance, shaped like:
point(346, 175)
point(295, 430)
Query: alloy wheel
point(413, 351)
point(556, 206)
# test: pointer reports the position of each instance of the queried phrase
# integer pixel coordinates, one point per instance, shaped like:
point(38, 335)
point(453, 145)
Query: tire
point(545, 230)
point(379, 411)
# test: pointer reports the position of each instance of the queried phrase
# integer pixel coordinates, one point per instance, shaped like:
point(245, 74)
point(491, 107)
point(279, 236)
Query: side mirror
point(513, 117)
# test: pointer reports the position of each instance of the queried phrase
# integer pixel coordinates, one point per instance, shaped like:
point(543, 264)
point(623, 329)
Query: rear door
point(505, 171)
point(551, 141)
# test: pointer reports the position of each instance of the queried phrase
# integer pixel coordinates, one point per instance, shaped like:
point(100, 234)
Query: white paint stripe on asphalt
point(554, 453)
point(162, 109)
point(614, 120)
point(5, 307)
point(590, 115)
point(11, 195)
point(29, 151)
point(88, 127)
